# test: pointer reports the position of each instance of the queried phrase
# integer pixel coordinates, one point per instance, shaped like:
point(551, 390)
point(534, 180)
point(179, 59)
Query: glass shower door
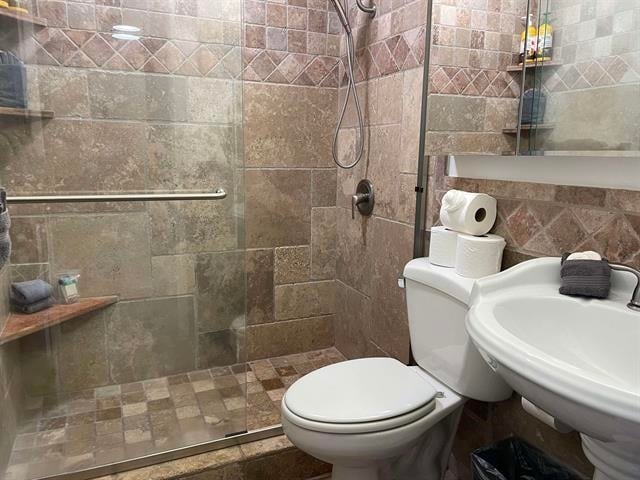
point(127, 171)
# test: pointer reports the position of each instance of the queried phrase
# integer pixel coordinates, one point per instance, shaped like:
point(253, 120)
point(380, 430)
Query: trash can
point(515, 459)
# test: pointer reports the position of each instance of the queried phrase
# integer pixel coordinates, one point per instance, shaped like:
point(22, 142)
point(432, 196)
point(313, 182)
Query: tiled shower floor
point(118, 422)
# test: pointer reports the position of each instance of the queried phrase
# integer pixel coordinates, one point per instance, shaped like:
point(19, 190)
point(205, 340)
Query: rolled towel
point(5, 239)
point(37, 306)
point(30, 292)
point(585, 278)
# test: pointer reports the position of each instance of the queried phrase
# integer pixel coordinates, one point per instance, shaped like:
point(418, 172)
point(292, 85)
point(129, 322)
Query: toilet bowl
point(378, 419)
point(331, 415)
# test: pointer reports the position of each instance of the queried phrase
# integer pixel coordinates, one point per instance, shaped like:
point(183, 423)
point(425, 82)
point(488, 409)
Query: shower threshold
point(123, 427)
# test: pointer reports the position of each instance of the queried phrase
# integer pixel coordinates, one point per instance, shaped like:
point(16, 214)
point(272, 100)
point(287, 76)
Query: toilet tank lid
point(443, 279)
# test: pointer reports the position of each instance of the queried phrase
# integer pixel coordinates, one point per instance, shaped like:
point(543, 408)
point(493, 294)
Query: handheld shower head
point(351, 83)
point(342, 15)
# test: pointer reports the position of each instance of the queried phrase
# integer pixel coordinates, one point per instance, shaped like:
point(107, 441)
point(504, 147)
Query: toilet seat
point(359, 396)
point(354, 428)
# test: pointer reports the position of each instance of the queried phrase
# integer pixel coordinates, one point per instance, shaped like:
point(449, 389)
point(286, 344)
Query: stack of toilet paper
point(463, 241)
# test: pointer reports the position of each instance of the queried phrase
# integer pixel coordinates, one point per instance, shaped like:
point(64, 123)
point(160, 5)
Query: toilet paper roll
point(442, 247)
point(465, 212)
point(479, 256)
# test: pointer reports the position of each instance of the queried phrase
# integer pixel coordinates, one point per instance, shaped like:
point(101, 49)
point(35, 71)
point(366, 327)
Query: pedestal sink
point(576, 359)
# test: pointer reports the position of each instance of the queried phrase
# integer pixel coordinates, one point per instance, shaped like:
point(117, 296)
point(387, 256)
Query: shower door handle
point(219, 194)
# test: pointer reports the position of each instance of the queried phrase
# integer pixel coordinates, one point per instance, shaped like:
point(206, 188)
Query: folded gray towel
point(37, 306)
point(5, 239)
point(585, 278)
point(32, 291)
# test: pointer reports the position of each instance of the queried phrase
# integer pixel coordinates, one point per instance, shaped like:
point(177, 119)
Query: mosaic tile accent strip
point(295, 42)
point(473, 82)
point(290, 68)
point(81, 49)
point(601, 72)
point(183, 38)
point(471, 46)
point(117, 422)
point(394, 54)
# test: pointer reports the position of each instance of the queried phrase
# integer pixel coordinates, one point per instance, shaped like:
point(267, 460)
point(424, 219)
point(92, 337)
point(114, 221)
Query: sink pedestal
point(612, 460)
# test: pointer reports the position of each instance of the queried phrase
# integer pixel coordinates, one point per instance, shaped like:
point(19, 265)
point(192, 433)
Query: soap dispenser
point(528, 40)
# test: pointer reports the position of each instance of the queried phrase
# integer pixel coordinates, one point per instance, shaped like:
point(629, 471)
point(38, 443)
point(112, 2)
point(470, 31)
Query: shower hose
point(351, 89)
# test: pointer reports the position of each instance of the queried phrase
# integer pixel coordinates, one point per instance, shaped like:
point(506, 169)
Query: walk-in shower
point(351, 85)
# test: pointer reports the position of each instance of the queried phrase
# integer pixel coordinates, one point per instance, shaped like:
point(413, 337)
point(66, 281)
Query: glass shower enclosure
point(124, 165)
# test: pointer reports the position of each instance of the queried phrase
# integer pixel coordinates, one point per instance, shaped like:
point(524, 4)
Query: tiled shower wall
point(294, 42)
point(290, 221)
point(371, 318)
point(291, 55)
point(159, 113)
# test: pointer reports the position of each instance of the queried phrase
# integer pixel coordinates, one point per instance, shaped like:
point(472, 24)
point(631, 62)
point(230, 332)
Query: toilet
point(376, 418)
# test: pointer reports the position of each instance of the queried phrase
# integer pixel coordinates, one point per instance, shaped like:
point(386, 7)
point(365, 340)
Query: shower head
point(342, 15)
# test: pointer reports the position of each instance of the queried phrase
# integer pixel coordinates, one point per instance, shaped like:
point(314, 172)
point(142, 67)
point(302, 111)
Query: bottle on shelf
point(528, 40)
point(545, 40)
point(19, 6)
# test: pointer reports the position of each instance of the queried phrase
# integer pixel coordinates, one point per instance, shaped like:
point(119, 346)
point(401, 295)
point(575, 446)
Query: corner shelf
point(518, 68)
point(528, 128)
point(24, 18)
point(25, 113)
point(21, 324)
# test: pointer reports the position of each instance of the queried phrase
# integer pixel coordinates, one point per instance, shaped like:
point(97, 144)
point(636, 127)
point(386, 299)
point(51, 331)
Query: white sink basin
point(576, 359)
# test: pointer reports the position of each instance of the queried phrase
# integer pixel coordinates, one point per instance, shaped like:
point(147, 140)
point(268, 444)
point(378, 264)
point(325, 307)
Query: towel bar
point(219, 194)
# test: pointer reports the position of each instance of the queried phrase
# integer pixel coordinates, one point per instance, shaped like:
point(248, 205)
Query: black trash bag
point(514, 459)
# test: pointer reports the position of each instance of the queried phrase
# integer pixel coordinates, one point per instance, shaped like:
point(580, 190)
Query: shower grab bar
point(219, 194)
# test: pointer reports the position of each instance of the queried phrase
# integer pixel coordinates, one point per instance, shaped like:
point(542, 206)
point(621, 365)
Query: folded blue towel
point(37, 306)
point(32, 291)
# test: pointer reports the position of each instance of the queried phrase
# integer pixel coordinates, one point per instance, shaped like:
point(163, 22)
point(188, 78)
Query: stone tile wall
point(548, 220)
point(390, 42)
point(185, 37)
point(371, 251)
point(472, 96)
point(290, 220)
point(293, 42)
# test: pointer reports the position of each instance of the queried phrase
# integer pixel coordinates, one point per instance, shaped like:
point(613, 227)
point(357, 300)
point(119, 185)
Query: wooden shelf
point(20, 324)
point(25, 113)
point(528, 128)
point(9, 15)
point(518, 68)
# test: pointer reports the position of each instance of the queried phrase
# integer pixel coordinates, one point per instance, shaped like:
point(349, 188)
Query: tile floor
point(118, 422)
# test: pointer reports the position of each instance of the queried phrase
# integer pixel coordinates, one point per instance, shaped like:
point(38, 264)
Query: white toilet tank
point(437, 304)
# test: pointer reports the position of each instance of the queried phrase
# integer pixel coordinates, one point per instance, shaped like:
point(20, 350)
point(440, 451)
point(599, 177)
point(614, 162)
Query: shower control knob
point(363, 199)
